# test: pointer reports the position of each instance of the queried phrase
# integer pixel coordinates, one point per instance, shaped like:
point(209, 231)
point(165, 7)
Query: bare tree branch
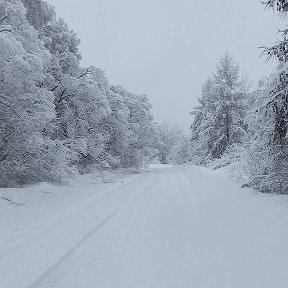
point(11, 108)
point(87, 72)
point(6, 30)
point(12, 202)
point(3, 18)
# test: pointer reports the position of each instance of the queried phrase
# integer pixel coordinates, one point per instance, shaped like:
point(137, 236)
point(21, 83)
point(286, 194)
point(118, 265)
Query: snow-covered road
point(176, 227)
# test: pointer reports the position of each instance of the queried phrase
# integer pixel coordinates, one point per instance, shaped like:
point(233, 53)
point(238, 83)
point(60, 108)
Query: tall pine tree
point(219, 119)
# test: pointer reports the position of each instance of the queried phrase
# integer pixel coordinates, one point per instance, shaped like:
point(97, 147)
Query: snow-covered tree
point(180, 152)
point(279, 5)
point(267, 152)
point(27, 152)
point(79, 103)
point(219, 119)
point(167, 136)
point(39, 13)
point(141, 132)
point(57, 117)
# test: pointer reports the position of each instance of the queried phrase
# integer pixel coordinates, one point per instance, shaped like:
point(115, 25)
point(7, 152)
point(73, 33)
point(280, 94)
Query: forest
point(243, 128)
point(59, 119)
point(95, 192)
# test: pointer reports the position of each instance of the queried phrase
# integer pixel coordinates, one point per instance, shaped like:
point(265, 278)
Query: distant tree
point(219, 120)
point(167, 136)
point(180, 152)
point(140, 146)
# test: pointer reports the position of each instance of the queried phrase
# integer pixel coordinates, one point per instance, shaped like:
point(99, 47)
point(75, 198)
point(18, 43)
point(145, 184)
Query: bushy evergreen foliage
point(219, 119)
point(257, 138)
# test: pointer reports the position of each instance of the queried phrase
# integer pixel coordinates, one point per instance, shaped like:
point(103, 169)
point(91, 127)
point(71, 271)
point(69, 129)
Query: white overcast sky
point(167, 48)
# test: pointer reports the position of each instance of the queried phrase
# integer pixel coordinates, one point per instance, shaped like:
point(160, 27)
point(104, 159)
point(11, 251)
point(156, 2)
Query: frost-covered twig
point(12, 202)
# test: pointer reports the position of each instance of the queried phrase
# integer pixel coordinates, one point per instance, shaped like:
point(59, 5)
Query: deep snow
point(177, 227)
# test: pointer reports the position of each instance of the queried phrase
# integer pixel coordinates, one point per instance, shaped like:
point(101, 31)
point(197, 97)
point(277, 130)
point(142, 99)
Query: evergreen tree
point(268, 122)
point(219, 120)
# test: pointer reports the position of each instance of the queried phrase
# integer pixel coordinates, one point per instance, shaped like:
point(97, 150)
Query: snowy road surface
point(177, 227)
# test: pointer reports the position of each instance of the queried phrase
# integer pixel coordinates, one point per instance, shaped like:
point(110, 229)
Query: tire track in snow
point(55, 272)
point(30, 232)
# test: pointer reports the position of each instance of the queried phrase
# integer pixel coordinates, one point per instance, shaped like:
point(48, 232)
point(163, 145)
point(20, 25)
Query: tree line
point(246, 129)
point(57, 118)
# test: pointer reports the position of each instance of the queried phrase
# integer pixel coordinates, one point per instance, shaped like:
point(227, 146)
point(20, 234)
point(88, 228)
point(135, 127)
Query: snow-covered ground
point(174, 227)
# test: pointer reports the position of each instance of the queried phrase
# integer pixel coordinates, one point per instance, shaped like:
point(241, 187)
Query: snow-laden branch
point(86, 72)
point(10, 107)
